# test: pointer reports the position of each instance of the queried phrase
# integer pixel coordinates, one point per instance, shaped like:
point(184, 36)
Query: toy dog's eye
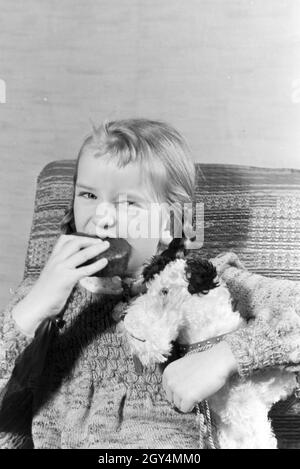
point(164, 291)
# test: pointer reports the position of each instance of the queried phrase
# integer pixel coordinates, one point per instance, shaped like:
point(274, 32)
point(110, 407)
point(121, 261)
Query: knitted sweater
point(272, 308)
point(94, 396)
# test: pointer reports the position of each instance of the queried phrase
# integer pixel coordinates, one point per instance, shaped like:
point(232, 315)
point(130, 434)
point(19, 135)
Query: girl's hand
point(61, 272)
point(225, 260)
point(195, 377)
point(103, 285)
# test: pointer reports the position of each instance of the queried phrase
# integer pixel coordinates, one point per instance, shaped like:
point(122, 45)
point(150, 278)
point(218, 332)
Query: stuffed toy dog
point(187, 301)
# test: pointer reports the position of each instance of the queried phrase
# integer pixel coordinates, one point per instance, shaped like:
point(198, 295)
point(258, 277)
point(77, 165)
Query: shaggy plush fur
point(187, 302)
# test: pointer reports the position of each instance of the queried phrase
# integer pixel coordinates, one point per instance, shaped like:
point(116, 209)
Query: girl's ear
point(201, 275)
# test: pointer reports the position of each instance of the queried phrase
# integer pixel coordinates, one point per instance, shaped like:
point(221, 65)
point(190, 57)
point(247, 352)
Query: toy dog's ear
point(175, 250)
point(157, 264)
point(201, 275)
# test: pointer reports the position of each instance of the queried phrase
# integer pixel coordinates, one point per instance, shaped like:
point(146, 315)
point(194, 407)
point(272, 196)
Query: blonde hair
point(165, 161)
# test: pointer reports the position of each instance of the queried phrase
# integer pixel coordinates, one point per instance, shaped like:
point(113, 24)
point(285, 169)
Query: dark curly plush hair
point(201, 274)
point(175, 250)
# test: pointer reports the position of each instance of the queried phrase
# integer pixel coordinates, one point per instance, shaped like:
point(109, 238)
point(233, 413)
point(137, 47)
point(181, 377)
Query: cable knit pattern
point(12, 340)
point(92, 396)
point(258, 347)
point(272, 338)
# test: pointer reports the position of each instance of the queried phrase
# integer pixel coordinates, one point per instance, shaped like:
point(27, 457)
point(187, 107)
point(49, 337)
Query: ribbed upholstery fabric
point(254, 212)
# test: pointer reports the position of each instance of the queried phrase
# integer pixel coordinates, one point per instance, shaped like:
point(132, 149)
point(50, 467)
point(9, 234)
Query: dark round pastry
point(117, 255)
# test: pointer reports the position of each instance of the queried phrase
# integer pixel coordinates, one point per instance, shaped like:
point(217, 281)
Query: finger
point(177, 401)
point(76, 243)
point(117, 282)
point(169, 396)
point(101, 285)
point(86, 254)
point(167, 389)
point(113, 285)
point(186, 405)
point(62, 240)
point(91, 269)
point(109, 285)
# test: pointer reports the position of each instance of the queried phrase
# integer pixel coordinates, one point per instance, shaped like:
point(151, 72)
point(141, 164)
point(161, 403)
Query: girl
point(90, 392)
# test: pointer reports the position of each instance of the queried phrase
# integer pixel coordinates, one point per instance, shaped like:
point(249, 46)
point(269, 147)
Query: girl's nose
point(105, 216)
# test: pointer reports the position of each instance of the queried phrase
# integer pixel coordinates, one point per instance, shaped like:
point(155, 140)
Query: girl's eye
point(87, 195)
point(129, 202)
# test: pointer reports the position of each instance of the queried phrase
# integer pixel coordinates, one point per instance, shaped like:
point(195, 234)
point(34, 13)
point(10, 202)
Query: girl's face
point(113, 202)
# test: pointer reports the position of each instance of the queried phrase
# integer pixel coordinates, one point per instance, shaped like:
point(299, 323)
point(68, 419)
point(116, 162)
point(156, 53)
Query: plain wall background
point(226, 73)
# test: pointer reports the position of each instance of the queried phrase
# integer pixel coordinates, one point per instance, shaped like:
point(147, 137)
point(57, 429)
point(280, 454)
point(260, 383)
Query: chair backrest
point(252, 211)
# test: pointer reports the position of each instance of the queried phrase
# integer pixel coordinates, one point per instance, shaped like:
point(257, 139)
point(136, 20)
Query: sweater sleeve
point(271, 307)
point(12, 340)
point(260, 345)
